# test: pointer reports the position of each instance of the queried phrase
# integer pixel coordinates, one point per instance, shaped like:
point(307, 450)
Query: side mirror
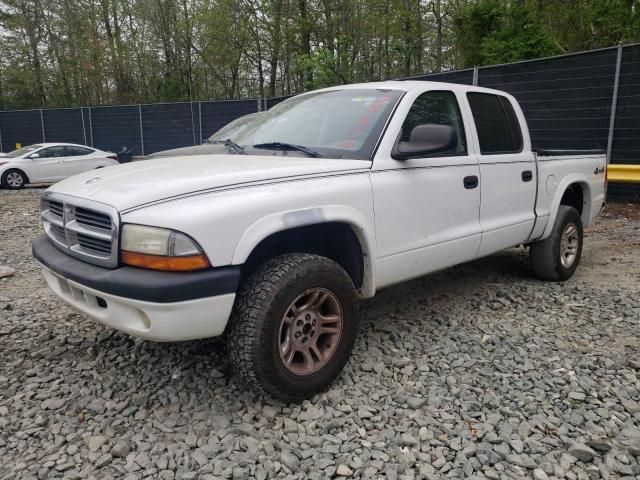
point(427, 139)
point(35, 155)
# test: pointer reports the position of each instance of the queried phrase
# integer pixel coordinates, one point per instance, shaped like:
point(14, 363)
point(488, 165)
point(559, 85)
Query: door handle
point(470, 182)
point(527, 175)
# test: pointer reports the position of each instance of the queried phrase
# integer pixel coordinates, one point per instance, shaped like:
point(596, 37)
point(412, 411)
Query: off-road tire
point(5, 179)
point(253, 334)
point(546, 254)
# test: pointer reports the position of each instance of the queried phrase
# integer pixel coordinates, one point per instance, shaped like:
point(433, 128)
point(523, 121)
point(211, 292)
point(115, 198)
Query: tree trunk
point(305, 35)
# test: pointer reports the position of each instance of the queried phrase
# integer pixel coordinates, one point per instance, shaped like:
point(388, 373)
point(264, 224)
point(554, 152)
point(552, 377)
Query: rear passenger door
point(79, 159)
point(507, 174)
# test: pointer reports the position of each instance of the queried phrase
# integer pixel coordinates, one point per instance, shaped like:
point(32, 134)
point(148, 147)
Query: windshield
point(22, 151)
point(233, 128)
point(336, 123)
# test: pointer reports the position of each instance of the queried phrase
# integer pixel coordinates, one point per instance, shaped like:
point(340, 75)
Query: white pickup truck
point(327, 198)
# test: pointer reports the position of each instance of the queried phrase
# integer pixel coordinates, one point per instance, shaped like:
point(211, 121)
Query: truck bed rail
point(557, 153)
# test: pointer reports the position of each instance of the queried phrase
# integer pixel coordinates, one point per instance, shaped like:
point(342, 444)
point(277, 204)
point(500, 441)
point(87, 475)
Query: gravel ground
point(480, 372)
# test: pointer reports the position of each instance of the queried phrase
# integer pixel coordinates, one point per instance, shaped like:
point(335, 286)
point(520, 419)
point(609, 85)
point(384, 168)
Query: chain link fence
point(588, 100)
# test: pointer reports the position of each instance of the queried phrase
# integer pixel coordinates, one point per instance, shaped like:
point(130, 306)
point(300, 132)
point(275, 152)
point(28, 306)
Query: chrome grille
point(55, 208)
point(85, 229)
point(93, 218)
point(95, 244)
point(58, 232)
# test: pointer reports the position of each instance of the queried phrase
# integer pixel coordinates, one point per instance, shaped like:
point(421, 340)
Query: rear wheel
point(13, 179)
point(556, 258)
point(293, 326)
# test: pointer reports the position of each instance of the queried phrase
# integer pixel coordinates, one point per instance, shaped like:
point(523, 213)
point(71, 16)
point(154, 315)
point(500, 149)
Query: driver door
point(427, 208)
point(48, 165)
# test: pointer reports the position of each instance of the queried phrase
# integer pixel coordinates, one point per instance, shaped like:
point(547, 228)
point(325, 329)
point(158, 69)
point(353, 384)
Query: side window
point(51, 152)
point(439, 107)
point(497, 124)
point(76, 151)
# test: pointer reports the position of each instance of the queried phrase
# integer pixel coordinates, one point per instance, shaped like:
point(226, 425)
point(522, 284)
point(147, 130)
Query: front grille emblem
point(68, 212)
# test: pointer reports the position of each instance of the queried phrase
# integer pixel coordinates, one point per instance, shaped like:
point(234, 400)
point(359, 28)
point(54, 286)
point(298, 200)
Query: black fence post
point(44, 136)
point(84, 129)
point(90, 127)
point(141, 129)
point(614, 104)
point(200, 121)
point(193, 124)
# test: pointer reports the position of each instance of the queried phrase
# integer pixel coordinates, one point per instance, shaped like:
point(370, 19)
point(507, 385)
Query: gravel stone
point(6, 271)
point(522, 461)
point(479, 371)
point(517, 445)
point(95, 443)
point(120, 449)
point(269, 412)
point(104, 460)
point(289, 460)
point(344, 471)
point(578, 396)
point(540, 475)
point(582, 452)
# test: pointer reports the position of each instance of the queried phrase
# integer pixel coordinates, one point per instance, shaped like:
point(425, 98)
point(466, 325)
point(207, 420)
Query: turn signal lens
point(160, 262)
point(160, 249)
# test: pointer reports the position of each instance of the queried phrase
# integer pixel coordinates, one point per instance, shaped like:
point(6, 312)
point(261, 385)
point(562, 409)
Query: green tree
point(493, 31)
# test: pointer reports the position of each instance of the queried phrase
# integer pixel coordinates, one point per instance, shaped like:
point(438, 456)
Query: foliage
point(83, 52)
point(492, 31)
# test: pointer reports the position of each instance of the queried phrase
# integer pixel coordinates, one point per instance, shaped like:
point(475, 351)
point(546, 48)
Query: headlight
point(160, 249)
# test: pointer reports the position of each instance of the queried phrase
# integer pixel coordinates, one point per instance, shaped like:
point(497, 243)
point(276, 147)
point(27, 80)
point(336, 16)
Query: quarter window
point(496, 122)
point(439, 107)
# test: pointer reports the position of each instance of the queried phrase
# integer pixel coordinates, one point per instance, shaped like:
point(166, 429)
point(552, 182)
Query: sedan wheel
point(13, 179)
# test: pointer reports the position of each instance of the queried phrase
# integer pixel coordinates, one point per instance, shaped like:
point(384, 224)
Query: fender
point(286, 220)
point(572, 178)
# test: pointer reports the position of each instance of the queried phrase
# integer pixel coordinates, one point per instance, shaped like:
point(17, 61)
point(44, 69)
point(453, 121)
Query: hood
point(133, 184)
point(204, 149)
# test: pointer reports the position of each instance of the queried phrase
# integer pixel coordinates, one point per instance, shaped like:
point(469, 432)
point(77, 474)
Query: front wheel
point(556, 258)
point(13, 179)
point(293, 326)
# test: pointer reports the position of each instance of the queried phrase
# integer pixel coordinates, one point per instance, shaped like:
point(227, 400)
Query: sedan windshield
point(22, 151)
point(233, 128)
point(336, 124)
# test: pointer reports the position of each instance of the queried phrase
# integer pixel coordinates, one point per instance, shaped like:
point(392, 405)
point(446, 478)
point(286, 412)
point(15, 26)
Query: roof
point(407, 85)
point(59, 144)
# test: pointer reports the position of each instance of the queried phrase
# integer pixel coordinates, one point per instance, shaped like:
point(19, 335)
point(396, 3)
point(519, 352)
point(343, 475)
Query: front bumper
point(160, 306)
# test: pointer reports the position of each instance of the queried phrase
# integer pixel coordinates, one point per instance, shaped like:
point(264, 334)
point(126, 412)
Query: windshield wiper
point(288, 146)
point(236, 148)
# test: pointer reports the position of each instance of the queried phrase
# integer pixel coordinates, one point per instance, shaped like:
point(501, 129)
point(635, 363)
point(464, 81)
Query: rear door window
point(496, 123)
